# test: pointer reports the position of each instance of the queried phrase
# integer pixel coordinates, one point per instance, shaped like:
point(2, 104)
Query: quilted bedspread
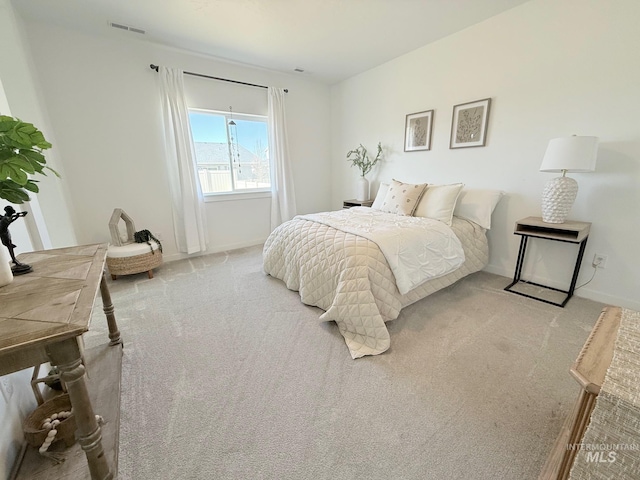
point(348, 276)
point(415, 248)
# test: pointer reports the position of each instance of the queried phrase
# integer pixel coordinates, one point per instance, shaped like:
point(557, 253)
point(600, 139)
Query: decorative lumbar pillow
point(402, 198)
point(438, 202)
point(382, 193)
point(477, 205)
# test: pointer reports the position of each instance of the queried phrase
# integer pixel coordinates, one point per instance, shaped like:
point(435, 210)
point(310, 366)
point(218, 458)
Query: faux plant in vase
point(360, 158)
point(21, 147)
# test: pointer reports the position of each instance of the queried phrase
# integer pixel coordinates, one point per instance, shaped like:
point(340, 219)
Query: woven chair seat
point(124, 255)
point(133, 258)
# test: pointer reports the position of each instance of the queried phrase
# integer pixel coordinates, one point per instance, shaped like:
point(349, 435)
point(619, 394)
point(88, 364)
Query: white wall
point(16, 397)
point(103, 102)
point(552, 68)
point(22, 98)
point(18, 98)
point(97, 101)
point(19, 233)
point(16, 402)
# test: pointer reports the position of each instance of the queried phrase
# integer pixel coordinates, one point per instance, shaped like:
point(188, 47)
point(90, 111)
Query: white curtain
point(283, 201)
point(186, 193)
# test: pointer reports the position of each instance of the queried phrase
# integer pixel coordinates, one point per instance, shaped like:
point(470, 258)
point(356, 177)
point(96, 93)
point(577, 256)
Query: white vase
point(6, 276)
point(363, 189)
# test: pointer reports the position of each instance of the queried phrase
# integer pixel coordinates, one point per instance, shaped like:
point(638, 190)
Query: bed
point(363, 265)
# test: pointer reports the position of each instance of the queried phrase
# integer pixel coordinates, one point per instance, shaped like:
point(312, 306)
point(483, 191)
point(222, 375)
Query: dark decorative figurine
point(10, 215)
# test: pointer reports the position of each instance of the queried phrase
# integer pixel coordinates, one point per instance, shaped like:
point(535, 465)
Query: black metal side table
point(357, 203)
point(568, 232)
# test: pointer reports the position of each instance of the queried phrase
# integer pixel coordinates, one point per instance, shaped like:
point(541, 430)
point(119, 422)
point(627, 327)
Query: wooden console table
point(589, 370)
point(43, 314)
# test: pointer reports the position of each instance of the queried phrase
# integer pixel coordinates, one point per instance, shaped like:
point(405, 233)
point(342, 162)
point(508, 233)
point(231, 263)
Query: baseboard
point(631, 304)
point(583, 292)
point(217, 249)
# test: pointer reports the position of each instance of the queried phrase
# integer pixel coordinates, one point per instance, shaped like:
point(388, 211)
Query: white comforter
point(417, 249)
point(348, 276)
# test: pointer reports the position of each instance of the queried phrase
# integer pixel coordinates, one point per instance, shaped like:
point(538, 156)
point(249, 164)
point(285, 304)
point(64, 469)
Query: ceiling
point(330, 40)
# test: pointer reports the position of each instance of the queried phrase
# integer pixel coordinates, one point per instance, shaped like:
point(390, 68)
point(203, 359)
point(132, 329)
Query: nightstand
point(568, 232)
point(357, 203)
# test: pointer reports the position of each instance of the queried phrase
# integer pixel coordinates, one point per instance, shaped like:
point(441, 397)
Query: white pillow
point(402, 198)
point(477, 205)
point(438, 202)
point(382, 192)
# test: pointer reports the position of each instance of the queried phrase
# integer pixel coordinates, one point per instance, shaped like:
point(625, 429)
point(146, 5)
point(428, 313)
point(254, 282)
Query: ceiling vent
point(127, 28)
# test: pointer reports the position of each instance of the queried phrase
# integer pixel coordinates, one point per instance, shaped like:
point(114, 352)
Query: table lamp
point(566, 154)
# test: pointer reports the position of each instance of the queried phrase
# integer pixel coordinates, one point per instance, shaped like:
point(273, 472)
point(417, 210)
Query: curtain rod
point(155, 67)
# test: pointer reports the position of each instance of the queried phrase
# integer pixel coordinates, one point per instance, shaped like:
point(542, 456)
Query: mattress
point(348, 276)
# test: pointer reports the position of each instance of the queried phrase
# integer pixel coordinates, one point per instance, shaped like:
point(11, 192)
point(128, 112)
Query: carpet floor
point(227, 375)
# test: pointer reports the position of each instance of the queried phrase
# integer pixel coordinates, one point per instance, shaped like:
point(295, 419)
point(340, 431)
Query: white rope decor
point(50, 424)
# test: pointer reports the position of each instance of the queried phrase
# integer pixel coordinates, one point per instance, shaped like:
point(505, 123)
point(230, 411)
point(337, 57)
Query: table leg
point(107, 305)
point(519, 263)
point(521, 254)
point(576, 269)
point(66, 356)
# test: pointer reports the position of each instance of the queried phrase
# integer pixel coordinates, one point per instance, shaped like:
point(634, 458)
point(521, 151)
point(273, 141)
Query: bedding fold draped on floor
point(349, 277)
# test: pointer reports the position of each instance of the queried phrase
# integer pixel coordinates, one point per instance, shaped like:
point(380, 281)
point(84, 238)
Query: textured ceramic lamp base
point(557, 199)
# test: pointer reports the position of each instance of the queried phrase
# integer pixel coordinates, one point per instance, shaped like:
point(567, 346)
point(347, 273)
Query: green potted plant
point(360, 158)
point(21, 147)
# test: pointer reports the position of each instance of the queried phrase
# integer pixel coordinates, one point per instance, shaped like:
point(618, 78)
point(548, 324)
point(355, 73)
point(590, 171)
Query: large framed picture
point(469, 124)
point(417, 131)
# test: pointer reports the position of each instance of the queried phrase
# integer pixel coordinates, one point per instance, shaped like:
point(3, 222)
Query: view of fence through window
point(232, 151)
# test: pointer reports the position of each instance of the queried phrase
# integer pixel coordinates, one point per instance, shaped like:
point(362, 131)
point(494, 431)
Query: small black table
point(357, 203)
point(569, 232)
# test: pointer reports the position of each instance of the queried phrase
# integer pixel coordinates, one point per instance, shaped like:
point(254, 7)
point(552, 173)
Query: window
point(232, 151)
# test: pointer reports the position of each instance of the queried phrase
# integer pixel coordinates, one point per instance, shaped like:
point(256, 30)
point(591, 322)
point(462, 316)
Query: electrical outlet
point(599, 260)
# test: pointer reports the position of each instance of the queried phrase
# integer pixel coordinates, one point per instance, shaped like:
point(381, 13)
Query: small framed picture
point(417, 131)
point(469, 124)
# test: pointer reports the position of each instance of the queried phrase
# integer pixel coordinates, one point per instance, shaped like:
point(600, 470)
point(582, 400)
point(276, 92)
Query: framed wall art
point(417, 131)
point(469, 124)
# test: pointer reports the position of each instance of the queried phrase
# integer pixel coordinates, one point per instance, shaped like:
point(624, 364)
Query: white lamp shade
point(570, 154)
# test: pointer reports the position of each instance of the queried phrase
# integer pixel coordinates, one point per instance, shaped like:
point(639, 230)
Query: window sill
point(233, 196)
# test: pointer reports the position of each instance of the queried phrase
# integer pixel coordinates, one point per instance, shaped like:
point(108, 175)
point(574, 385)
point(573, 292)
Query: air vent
point(117, 25)
point(127, 28)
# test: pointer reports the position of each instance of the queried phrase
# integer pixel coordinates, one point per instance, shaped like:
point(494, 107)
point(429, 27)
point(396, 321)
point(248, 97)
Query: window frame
point(235, 194)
